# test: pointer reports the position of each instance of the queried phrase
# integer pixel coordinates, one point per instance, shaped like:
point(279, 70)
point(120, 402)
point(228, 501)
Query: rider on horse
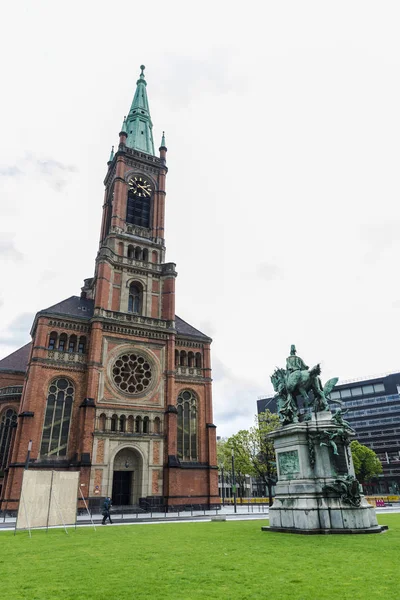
point(295, 363)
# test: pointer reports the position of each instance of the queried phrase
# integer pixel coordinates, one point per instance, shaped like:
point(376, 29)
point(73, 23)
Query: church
point(114, 384)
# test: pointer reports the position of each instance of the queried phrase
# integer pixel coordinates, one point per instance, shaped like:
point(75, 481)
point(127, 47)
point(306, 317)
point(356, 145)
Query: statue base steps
point(307, 513)
point(378, 529)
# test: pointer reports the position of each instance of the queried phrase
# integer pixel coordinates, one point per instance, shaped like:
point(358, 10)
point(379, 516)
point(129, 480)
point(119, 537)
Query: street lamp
point(233, 482)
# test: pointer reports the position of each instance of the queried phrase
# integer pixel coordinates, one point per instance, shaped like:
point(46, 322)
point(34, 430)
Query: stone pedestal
point(311, 492)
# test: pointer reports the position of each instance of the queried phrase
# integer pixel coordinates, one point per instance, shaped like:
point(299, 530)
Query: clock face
point(140, 186)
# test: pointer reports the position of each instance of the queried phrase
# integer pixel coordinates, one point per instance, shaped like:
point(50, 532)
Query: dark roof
point(183, 328)
point(72, 307)
point(17, 361)
point(83, 307)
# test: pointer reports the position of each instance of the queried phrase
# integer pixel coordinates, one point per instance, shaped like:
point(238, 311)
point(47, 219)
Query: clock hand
point(144, 189)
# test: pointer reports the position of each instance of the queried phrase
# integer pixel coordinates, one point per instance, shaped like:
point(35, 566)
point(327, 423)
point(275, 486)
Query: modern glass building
point(372, 407)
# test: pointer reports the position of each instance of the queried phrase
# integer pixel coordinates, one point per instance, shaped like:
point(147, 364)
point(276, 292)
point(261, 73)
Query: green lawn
point(199, 561)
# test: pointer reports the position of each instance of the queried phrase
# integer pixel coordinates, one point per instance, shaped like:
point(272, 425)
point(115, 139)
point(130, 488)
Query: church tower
point(115, 384)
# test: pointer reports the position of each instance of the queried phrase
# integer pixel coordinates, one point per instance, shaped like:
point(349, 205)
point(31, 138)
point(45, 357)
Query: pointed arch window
point(57, 419)
point(8, 422)
point(135, 298)
point(187, 426)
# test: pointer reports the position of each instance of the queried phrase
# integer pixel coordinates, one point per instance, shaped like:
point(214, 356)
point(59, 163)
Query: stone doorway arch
point(127, 477)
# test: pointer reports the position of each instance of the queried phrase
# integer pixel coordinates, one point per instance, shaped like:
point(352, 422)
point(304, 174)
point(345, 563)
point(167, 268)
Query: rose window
point(132, 373)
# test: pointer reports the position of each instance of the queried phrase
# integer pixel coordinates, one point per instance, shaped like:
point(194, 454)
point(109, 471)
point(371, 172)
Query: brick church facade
point(114, 384)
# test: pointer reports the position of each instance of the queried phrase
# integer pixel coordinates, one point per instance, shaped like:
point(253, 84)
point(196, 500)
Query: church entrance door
point(122, 485)
point(127, 477)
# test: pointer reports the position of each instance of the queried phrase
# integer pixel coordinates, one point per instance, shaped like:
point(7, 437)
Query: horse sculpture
point(289, 385)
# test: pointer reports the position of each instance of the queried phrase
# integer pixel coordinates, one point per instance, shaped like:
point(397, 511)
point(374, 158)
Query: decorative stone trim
point(187, 344)
point(12, 390)
point(136, 332)
point(137, 319)
point(67, 325)
point(189, 371)
point(70, 357)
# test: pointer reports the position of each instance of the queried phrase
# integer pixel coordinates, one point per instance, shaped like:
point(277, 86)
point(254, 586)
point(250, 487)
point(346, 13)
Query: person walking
point(106, 511)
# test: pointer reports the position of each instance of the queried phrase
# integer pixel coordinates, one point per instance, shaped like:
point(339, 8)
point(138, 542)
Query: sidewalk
point(243, 513)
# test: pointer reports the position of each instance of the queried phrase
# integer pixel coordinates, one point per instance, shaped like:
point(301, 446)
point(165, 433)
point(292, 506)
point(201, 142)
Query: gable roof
point(18, 360)
point(184, 329)
point(83, 308)
point(74, 306)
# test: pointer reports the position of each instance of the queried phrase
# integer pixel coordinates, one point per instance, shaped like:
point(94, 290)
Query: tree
point(224, 460)
point(239, 444)
point(254, 452)
point(366, 462)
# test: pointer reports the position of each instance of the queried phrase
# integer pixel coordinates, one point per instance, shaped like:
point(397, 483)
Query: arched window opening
point(191, 359)
point(176, 358)
point(72, 343)
point(130, 424)
point(145, 255)
point(122, 423)
point(62, 342)
point(146, 428)
point(138, 425)
point(138, 253)
point(157, 425)
point(8, 422)
point(52, 340)
point(114, 421)
point(187, 426)
point(131, 252)
point(135, 299)
point(198, 360)
point(138, 210)
point(82, 345)
point(57, 418)
point(183, 359)
point(102, 422)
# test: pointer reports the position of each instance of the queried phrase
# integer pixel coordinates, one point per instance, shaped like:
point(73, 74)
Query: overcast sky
point(282, 123)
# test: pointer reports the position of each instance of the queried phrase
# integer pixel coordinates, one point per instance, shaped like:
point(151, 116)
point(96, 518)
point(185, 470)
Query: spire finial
point(142, 67)
point(123, 128)
point(111, 155)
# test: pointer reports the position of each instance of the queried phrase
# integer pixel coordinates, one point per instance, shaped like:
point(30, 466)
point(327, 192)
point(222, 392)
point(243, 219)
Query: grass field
point(225, 560)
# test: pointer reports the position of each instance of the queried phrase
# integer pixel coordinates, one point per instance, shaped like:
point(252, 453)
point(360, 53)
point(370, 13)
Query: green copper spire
point(138, 122)
point(163, 140)
point(123, 128)
point(111, 154)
